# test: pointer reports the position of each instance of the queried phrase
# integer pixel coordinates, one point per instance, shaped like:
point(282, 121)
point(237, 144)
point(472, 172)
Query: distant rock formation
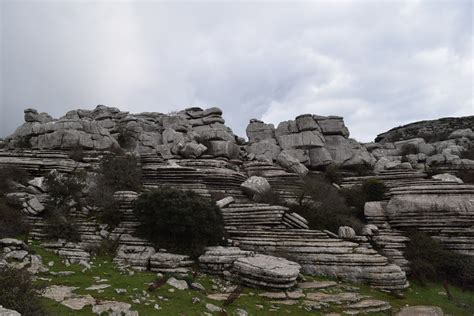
point(431, 130)
point(316, 141)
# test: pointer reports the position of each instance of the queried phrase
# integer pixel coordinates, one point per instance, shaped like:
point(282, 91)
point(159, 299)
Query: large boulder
point(332, 125)
point(446, 177)
point(258, 130)
point(292, 164)
point(266, 271)
point(347, 152)
point(266, 149)
point(255, 186)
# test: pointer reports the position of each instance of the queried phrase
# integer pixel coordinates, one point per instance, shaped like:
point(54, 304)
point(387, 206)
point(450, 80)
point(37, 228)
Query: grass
point(180, 302)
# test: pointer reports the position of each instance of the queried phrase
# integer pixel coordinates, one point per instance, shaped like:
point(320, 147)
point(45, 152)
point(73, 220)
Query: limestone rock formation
point(439, 128)
point(315, 141)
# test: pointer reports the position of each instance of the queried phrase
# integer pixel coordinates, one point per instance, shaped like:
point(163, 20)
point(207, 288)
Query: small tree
point(115, 173)
point(18, 292)
point(119, 173)
point(325, 207)
point(181, 221)
point(429, 261)
point(374, 190)
point(65, 193)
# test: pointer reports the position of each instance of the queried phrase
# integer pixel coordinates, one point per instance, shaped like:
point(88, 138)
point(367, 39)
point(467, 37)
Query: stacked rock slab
point(217, 260)
point(318, 254)
point(265, 271)
point(316, 141)
point(391, 242)
point(248, 268)
point(207, 177)
point(283, 183)
point(41, 162)
point(445, 211)
point(164, 262)
point(261, 214)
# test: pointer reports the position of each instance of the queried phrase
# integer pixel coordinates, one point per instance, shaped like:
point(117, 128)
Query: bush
point(11, 174)
point(23, 142)
point(119, 173)
point(125, 137)
point(12, 221)
point(76, 153)
point(60, 225)
point(180, 221)
point(468, 153)
point(18, 292)
point(374, 190)
point(409, 149)
point(65, 193)
point(467, 176)
point(429, 261)
point(108, 181)
point(325, 207)
point(65, 189)
point(332, 174)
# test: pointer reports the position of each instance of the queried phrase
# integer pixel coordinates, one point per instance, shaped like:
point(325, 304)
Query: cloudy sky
point(379, 64)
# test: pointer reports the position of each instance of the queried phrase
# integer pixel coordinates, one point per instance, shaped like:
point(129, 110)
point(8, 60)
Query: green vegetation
point(180, 302)
point(120, 173)
point(108, 180)
point(429, 261)
point(12, 220)
point(468, 153)
point(18, 292)
point(65, 193)
point(325, 207)
point(409, 149)
point(180, 221)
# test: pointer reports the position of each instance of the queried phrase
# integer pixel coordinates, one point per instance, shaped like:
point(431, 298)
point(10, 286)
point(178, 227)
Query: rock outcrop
point(314, 141)
point(440, 128)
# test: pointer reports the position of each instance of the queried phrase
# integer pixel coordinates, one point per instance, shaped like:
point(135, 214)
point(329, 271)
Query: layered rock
point(445, 211)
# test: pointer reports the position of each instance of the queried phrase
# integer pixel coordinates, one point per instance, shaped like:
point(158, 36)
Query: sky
point(379, 64)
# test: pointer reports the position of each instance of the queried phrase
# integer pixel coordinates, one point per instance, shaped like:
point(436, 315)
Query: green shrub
point(181, 221)
point(466, 175)
point(115, 173)
point(65, 189)
point(60, 225)
point(409, 149)
point(65, 193)
point(23, 142)
point(355, 197)
point(76, 153)
point(18, 292)
point(325, 207)
point(125, 137)
point(374, 190)
point(332, 174)
point(119, 173)
point(11, 174)
point(429, 261)
point(12, 221)
point(468, 153)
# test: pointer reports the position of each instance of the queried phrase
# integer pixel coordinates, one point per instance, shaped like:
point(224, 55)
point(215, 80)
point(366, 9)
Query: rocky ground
point(73, 289)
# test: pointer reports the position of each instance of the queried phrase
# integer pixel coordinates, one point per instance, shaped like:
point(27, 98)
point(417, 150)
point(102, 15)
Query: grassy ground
point(180, 302)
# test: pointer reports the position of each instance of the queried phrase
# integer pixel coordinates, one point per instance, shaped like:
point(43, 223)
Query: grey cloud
point(377, 64)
